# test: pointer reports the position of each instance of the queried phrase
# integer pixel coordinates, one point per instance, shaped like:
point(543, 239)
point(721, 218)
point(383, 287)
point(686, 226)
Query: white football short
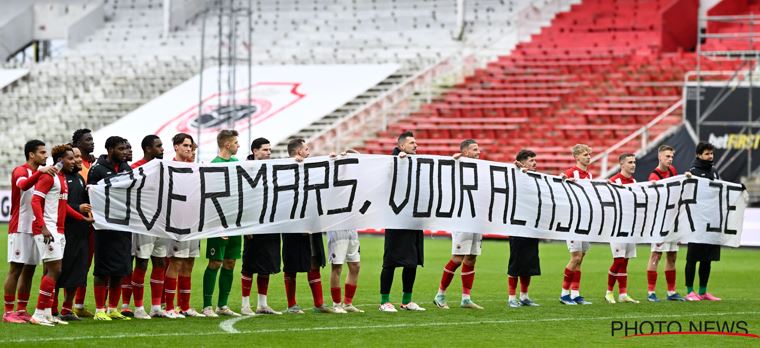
point(664, 247)
point(576, 245)
point(23, 249)
point(465, 243)
point(625, 250)
point(52, 251)
point(342, 246)
point(185, 249)
point(145, 246)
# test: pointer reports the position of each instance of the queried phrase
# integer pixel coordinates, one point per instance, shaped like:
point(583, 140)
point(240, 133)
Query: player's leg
point(67, 313)
point(468, 278)
point(138, 287)
point(629, 252)
point(290, 292)
point(670, 274)
point(690, 270)
point(232, 253)
point(315, 284)
point(215, 248)
point(575, 285)
point(576, 257)
point(100, 290)
point(446, 278)
point(79, 308)
point(184, 284)
point(24, 289)
point(408, 276)
point(654, 261)
point(114, 295)
point(42, 315)
point(386, 283)
point(335, 272)
point(226, 273)
point(352, 279)
point(126, 294)
point(170, 287)
point(704, 276)
point(9, 286)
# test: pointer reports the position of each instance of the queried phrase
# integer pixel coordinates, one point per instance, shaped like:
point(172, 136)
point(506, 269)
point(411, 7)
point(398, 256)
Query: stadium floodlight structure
point(712, 91)
point(225, 58)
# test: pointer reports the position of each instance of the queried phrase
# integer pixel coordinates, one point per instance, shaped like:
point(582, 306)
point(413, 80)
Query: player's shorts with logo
point(53, 250)
point(342, 246)
point(185, 249)
point(145, 246)
point(23, 249)
point(664, 247)
point(577, 245)
point(465, 243)
point(219, 248)
point(625, 250)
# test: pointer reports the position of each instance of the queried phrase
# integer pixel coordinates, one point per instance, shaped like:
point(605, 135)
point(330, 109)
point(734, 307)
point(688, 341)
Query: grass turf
point(734, 279)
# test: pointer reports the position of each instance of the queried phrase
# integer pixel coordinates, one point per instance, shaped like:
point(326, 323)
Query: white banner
point(188, 201)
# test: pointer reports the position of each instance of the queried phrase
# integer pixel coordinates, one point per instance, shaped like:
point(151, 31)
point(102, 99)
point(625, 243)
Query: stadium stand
point(600, 72)
point(130, 61)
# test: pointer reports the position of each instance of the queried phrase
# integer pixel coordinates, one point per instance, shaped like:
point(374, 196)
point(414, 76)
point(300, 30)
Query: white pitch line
point(229, 324)
point(384, 326)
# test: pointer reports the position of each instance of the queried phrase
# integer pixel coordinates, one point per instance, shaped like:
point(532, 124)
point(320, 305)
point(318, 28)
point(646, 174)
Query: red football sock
point(156, 285)
point(22, 299)
point(100, 296)
point(350, 292)
point(114, 294)
point(670, 278)
point(66, 307)
point(524, 284)
point(512, 285)
point(612, 275)
point(335, 293)
point(567, 279)
point(47, 288)
point(79, 297)
point(652, 280)
point(138, 286)
point(10, 301)
point(290, 288)
point(468, 277)
point(623, 276)
point(54, 303)
point(315, 283)
point(185, 284)
point(576, 283)
point(448, 274)
point(246, 282)
point(262, 284)
point(170, 291)
point(126, 289)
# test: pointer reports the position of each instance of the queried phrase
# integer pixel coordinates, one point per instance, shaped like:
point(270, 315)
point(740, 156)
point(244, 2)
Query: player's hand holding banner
point(191, 201)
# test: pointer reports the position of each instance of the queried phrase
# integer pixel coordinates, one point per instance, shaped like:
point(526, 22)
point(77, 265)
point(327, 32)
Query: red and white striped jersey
point(23, 180)
point(50, 203)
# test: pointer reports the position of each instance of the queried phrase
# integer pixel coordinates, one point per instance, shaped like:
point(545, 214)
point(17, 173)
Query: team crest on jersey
point(459, 246)
point(212, 251)
point(218, 111)
point(18, 252)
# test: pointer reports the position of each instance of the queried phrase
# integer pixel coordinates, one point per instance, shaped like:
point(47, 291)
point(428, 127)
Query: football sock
point(315, 283)
point(157, 285)
point(350, 292)
point(170, 291)
point(290, 288)
point(185, 289)
point(209, 282)
point(652, 280)
point(225, 285)
point(406, 298)
point(670, 278)
point(126, 289)
point(448, 275)
point(138, 286)
point(468, 278)
point(246, 282)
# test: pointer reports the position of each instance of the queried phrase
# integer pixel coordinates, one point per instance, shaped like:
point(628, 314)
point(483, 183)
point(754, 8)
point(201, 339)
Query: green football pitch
point(735, 279)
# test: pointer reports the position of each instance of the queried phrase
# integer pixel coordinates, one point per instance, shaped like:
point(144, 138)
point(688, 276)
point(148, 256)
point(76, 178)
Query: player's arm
point(653, 177)
point(76, 215)
point(24, 183)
